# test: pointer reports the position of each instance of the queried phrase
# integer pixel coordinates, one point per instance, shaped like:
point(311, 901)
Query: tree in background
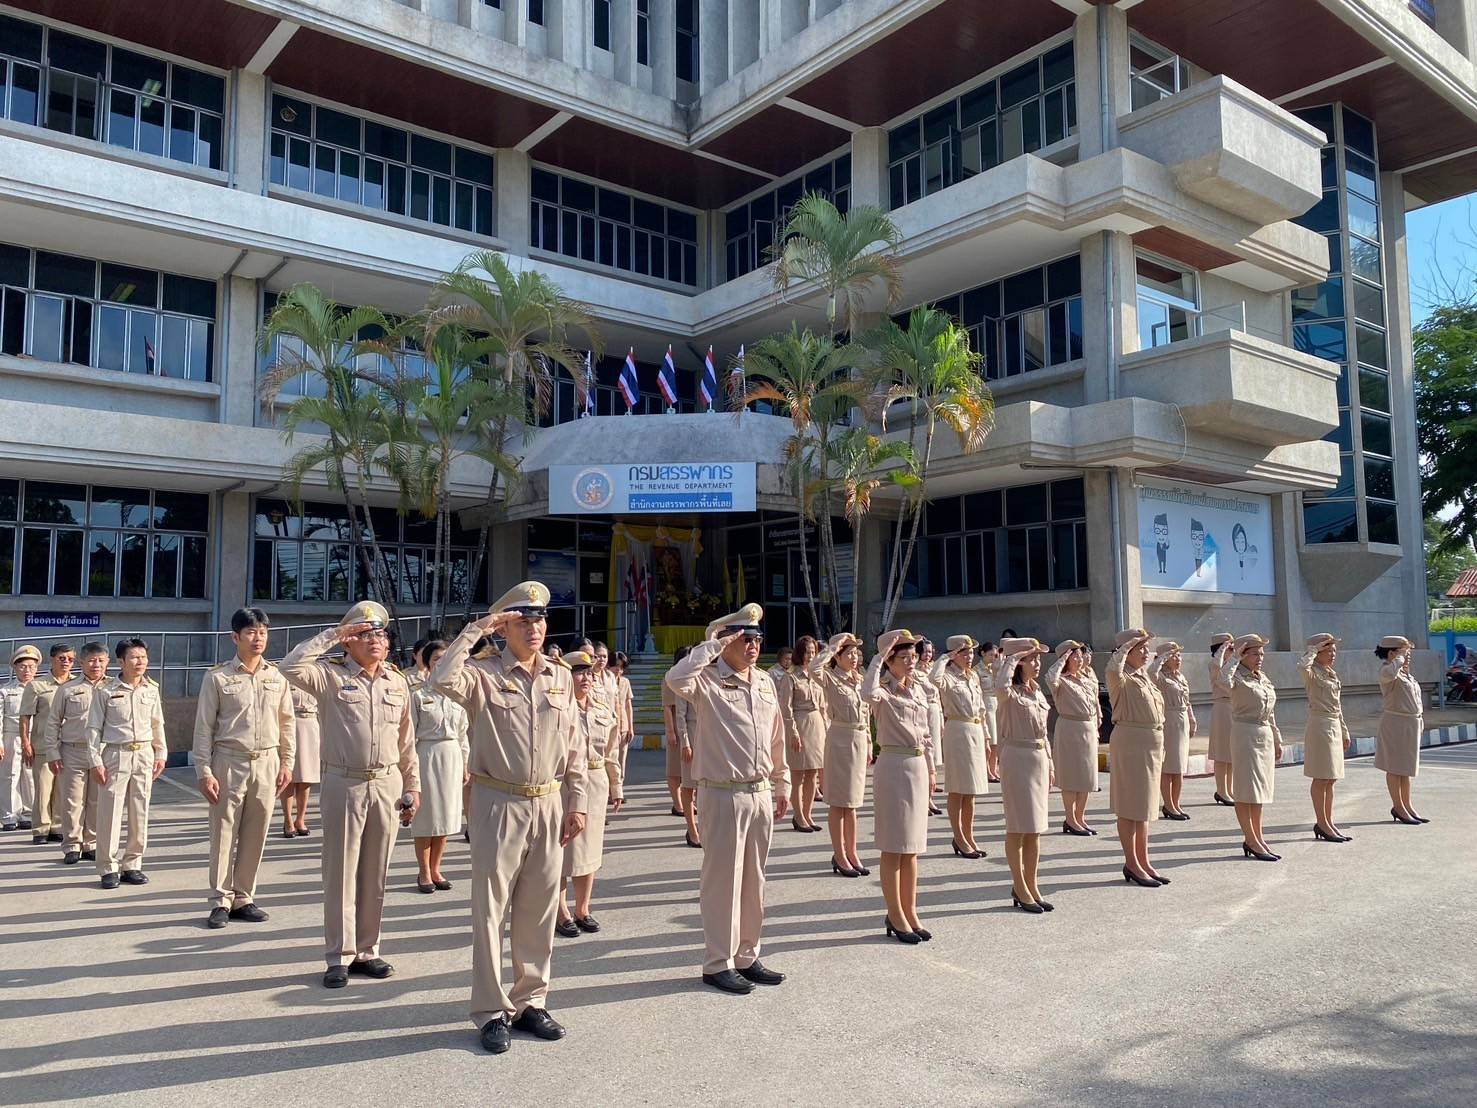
point(1446, 559)
point(861, 463)
point(1446, 420)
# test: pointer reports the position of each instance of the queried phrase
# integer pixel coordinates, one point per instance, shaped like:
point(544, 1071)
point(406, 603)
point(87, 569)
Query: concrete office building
point(1177, 231)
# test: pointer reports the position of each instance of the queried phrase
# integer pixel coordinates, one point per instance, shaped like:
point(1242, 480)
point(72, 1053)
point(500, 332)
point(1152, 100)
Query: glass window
point(1383, 524)
point(1364, 259)
point(36, 561)
point(47, 502)
point(1330, 521)
point(1379, 478)
point(1322, 340)
point(102, 563)
point(1375, 432)
point(1322, 301)
point(1374, 390)
point(1026, 504)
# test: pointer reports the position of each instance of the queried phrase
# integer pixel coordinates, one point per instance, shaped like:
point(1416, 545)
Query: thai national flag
point(629, 382)
point(589, 383)
point(710, 381)
point(666, 379)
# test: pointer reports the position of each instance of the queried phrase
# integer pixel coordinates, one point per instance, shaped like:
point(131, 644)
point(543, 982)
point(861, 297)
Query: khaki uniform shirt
point(436, 716)
point(1253, 696)
point(245, 713)
point(67, 721)
point(1401, 691)
point(1174, 688)
point(597, 726)
point(1135, 697)
point(123, 713)
point(364, 722)
point(961, 696)
point(523, 726)
point(36, 705)
point(738, 717)
point(901, 711)
point(843, 692)
point(11, 695)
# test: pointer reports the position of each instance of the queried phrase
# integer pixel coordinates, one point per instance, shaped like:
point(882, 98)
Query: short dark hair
point(60, 648)
point(242, 618)
point(988, 645)
point(94, 648)
point(1383, 652)
point(125, 645)
point(425, 648)
point(1009, 633)
point(680, 653)
point(805, 641)
point(785, 650)
point(923, 644)
point(598, 645)
point(585, 644)
point(619, 658)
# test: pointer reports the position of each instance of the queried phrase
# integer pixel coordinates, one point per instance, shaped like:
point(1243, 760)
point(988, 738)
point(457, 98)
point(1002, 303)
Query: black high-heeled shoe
point(935, 810)
point(1326, 836)
point(1219, 799)
point(959, 850)
point(863, 871)
point(924, 933)
point(1420, 819)
point(1178, 817)
point(1159, 879)
point(1089, 830)
point(908, 937)
point(688, 836)
point(1026, 905)
point(1142, 882)
point(1398, 818)
point(842, 871)
point(1248, 852)
point(1081, 832)
point(678, 812)
point(1046, 905)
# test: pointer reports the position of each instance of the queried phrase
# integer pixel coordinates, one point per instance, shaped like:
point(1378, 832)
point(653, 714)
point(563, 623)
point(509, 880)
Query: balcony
point(1237, 385)
point(1232, 149)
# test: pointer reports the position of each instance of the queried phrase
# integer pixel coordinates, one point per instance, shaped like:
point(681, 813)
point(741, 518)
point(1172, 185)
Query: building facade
point(1178, 239)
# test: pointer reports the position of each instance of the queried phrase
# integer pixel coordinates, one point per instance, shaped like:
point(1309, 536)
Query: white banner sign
point(652, 488)
point(1205, 539)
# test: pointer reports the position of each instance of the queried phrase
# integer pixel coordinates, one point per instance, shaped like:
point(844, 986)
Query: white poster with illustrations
point(1204, 539)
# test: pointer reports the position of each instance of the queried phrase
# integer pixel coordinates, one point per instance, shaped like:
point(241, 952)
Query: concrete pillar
point(236, 371)
point(1100, 102)
point(1456, 22)
point(569, 33)
point(1109, 309)
point(871, 552)
point(1398, 322)
point(869, 168)
point(250, 131)
point(233, 540)
point(1289, 632)
point(512, 200)
point(507, 556)
point(743, 34)
point(1102, 616)
point(712, 41)
point(663, 49)
point(623, 41)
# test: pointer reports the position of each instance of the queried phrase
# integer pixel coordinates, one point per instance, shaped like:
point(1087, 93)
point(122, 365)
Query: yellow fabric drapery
point(669, 638)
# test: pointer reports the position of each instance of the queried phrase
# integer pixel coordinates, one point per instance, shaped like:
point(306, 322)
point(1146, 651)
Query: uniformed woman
point(837, 669)
point(966, 769)
point(1256, 744)
point(1179, 727)
point(598, 728)
point(305, 766)
point(625, 707)
point(1397, 748)
point(924, 652)
point(1026, 774)
point(671, 743)
point(1219, 751)
point(1073, 685)
point(441, 747)
point(802, 704)
point(1326, 736)
point(1136, 752)
point(988, 655)
point(903, 778)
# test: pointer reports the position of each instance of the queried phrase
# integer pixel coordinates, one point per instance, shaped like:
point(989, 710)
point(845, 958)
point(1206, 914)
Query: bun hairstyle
point(1383, 652)
point(426, 648)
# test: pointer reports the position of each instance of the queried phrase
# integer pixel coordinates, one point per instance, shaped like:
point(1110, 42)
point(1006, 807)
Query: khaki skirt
point(847, 746)
point(1253, 762)
point(1135, 762)
point(1025, 786)
point(1074, 749)
point(1323, 749)
point(1176, 743)
point(900, 803)
point(810, 730)
point(440, 812)
point(965, 769)
point(306, 767)
point(674, 757)
point(585, 852)
point(1220, 730)
point(1397, 747)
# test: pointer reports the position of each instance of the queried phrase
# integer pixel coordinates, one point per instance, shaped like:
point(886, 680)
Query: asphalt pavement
point(1342, 975)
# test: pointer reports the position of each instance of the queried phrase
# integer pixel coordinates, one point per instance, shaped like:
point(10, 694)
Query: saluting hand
point(573, 824)
point(210, 789)
point(493, 622)
point(352, 631)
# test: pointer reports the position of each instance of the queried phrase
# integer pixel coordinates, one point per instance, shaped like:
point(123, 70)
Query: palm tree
point(529, 324)
point(846, 255)
point(930, 368)
point(309, 335)
point(860, 464)
point(442, 417)
point(809, 376)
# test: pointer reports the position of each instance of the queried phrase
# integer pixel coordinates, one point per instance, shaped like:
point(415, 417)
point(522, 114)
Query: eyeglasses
point(376, 633)
point(756, 639)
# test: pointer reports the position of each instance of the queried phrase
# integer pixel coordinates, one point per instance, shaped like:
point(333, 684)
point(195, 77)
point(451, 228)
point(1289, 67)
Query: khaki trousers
point(130, 781)
point(15, 782)
point(47, 807)
point(238, 824)
point(736, 828)
point(516, 863)
point(78, 788)
point(359, 827)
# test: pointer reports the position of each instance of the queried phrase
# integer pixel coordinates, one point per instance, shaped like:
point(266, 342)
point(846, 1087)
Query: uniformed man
point(369, 762)
point(65, 747)
point(783, 659)
point(46, 817)
point(15, 771)
point(740, 759)
point(524, 744)
point(245, 733)
point(125, 738)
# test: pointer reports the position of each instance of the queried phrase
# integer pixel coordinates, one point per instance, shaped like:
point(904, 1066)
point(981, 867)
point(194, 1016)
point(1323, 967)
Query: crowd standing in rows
point(525, 752)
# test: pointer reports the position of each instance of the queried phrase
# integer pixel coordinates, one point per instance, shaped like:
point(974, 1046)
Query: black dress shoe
point(109, 881)
point(924, 933)
point(7, 826)
point(1248, 852)
point(443, 885)
point(1326, 836)
point(89, 855)
point(1161, 879)
point(301, 833)
point(335, 977)
point(902, 935)
point(377, 968)
point(567, 928)
point(1046, 905)
point(249, 913)
point(1398, 818)
point(135, 877)
point(864, 871)
point(588, 924)
point(1219, 799)
point(425, 887)
point(496, 1038)
point(756, 973)
point(695, 846)
point(1068, 829)
point(23, 825)
point(38, 840)
point(1421, 819)
point(678, 812)
point(1142, 882)
point(288, 833)
point(1027, 905)
point(54, 837)
point(218, 918)
point(730, 981)
point(935, 810)
point(843, 871)
point(538, 1022)
point(71, 858)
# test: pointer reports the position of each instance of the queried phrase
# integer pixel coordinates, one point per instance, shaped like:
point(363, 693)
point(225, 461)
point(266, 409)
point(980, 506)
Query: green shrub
point(1462, 625)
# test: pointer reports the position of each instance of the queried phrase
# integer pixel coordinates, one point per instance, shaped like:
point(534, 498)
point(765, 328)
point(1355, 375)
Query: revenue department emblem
point(593, 489)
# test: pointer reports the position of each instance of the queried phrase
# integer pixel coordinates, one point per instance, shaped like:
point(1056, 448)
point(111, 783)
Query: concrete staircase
point(646, 676)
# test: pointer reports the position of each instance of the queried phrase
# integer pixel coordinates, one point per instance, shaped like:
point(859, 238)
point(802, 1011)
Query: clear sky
point(1442, 246)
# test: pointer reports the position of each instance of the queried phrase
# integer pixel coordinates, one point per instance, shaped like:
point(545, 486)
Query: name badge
point(349, 688)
